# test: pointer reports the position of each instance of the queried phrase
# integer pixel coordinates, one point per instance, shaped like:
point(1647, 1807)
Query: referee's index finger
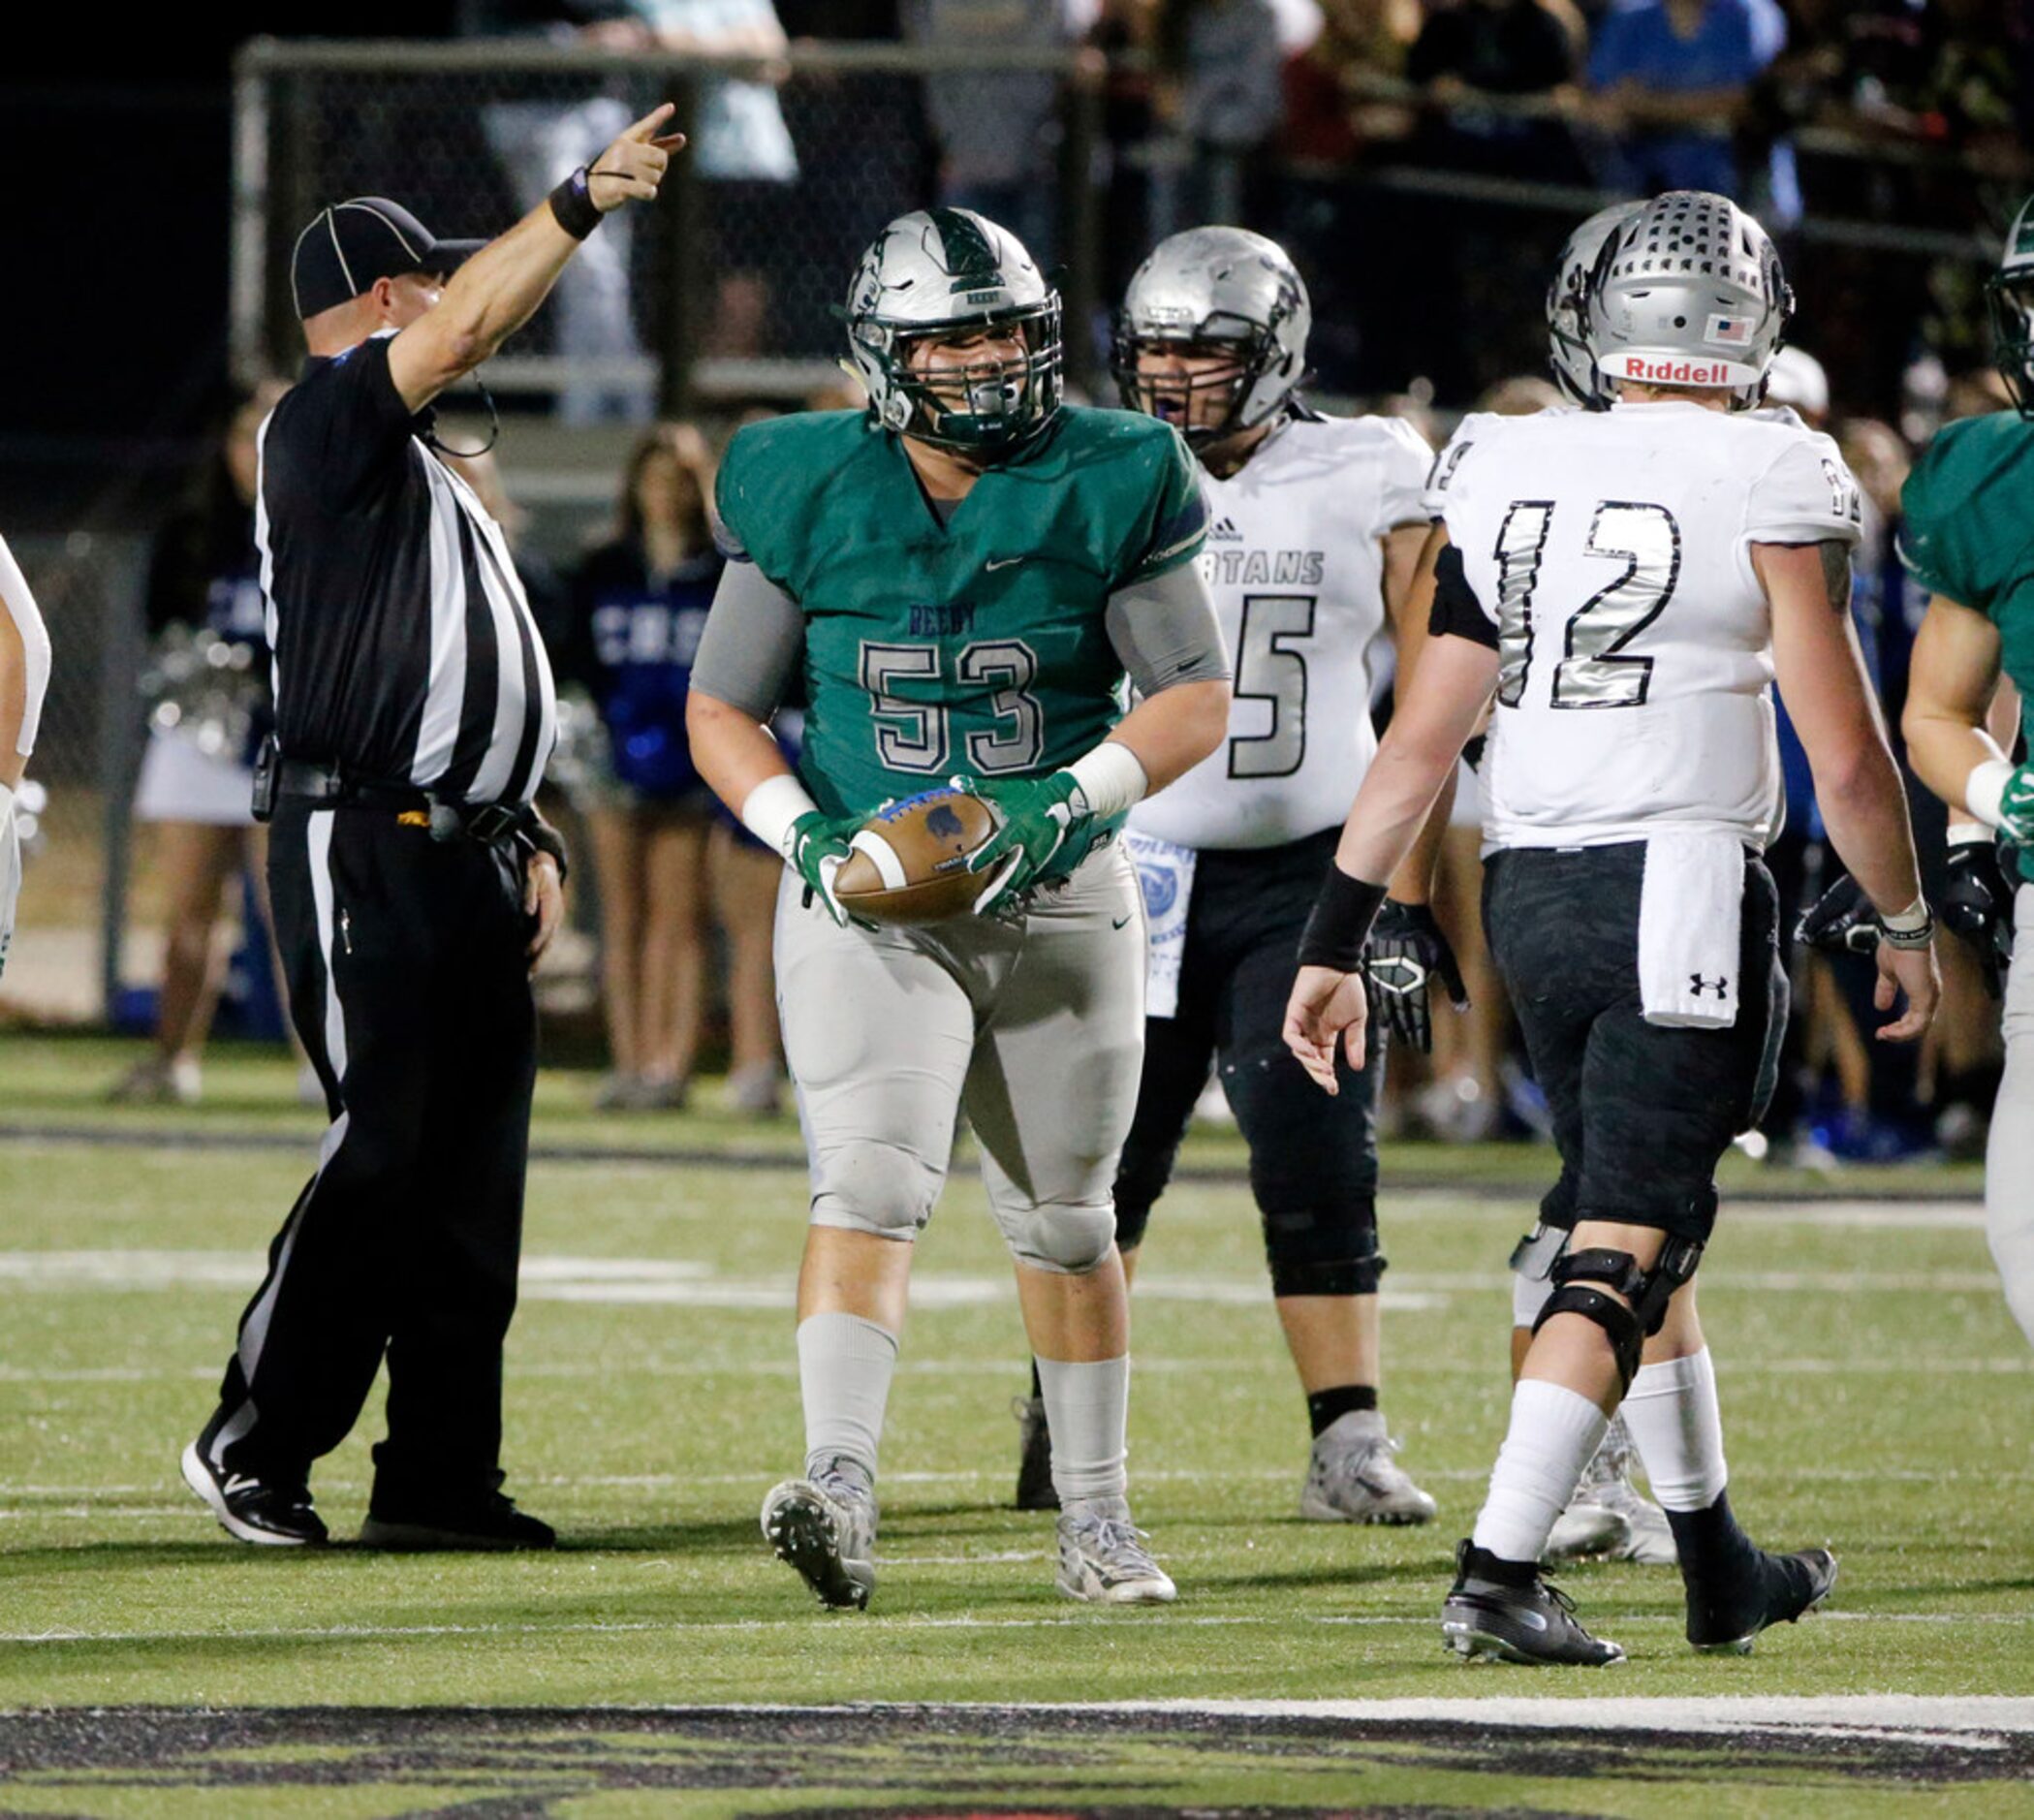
point(645, 127)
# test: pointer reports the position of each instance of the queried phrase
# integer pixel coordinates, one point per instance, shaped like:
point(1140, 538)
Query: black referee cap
point(351, 244)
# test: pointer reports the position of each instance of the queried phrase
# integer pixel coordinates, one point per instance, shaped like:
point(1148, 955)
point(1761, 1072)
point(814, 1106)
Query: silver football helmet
point(1689, 292)
point(940, 272)
point(2009, 296)
point(1214, 288)
point(1568, 309)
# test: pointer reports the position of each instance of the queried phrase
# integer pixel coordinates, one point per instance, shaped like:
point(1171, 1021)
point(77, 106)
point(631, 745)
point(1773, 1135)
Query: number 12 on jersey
point(1593, 671)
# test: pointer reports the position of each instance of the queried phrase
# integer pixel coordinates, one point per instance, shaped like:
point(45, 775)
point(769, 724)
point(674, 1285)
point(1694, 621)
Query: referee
point(413, 886)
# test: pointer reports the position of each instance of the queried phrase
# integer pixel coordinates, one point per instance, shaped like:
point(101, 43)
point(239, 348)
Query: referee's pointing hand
point(631, 169)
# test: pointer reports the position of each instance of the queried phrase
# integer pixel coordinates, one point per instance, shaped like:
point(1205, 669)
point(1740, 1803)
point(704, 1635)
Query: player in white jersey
point(1630, 583)
point(1315, 531)
point(1608, 1517)
point(24, 679)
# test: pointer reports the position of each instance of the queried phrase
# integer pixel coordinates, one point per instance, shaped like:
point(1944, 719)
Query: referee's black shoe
point(1501, 1610)
point(407, 1522)
point(261, 1511)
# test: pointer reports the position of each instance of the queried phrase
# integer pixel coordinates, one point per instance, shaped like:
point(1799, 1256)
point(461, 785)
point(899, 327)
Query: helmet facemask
point(1248, 350)
point(988, 407)
point(2009, 300)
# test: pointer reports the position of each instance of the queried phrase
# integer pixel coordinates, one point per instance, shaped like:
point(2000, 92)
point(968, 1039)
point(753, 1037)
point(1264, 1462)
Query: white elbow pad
point(20, 603)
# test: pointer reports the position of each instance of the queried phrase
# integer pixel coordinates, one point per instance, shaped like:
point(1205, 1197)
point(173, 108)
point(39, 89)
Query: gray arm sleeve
point(754, 638)
point(1164, 630)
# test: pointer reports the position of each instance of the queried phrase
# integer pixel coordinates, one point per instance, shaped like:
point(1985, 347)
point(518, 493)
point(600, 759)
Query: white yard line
point(371, 1633)
point(691, 1283)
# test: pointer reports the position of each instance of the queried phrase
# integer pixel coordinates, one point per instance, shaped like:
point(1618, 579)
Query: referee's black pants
point(409, 986)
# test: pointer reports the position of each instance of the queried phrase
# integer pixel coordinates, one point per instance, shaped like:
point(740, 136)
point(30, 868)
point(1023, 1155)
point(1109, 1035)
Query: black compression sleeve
point(1456, 609)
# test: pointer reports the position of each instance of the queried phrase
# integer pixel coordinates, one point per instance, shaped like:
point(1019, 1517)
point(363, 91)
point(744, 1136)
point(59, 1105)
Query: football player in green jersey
point(1967, 536)
point(960, 577)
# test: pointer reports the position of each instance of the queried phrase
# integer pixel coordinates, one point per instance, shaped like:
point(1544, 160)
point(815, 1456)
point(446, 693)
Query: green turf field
point(1877, 1398)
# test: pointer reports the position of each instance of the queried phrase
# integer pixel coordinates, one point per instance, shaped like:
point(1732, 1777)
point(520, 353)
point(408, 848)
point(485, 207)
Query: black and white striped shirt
point(405, 651)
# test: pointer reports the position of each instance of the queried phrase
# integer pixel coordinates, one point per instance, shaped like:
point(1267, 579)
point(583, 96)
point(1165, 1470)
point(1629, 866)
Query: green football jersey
point(976, 647)
point(1967, 533)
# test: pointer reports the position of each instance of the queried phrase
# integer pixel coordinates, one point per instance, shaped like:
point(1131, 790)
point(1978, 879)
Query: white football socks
point(845, 1366)
point(1677, 1429)
point(1087, 1408)
point(1554, 1434)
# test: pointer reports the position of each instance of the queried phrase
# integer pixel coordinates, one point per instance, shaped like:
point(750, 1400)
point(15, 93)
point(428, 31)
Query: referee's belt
point(492, 824)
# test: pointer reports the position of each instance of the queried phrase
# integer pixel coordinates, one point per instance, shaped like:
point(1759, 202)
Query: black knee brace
point(1317, 1252)
point(1631, 1322)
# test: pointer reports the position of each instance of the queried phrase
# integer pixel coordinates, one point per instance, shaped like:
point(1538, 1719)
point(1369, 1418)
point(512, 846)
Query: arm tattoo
point(1836, 573)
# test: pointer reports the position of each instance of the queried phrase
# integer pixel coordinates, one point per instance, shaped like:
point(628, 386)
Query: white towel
point(1164, 873)
point(1689, 918)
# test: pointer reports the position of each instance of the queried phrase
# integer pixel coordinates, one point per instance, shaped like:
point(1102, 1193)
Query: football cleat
point(1784, 1588)
point(825, 1527)
point(1497, 1612)
point(1103, 1558)
point(1608, 1516)
point(254, 1509)
point(1352, 1477)
point(1034, 1486)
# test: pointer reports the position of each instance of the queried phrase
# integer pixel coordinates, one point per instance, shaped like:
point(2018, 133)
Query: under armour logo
point(1720, 986)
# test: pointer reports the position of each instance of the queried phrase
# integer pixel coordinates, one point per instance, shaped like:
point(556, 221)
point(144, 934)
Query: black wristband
point(1339, 922)
point(571, 205)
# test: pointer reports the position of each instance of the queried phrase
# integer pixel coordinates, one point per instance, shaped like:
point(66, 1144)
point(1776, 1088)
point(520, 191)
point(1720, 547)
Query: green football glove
point(2017, 806)
point(817, 848)
point(1040, 821)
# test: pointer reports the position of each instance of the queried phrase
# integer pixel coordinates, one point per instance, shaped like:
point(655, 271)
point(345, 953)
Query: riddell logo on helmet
point(1677, 372)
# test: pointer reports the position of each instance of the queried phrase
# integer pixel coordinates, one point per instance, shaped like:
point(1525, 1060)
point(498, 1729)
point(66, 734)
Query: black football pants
point(409, 986)
point(1313, 1159)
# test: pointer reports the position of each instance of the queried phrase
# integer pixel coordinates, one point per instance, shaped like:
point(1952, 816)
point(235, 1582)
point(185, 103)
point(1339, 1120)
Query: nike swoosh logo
point(1121, 920)
point(1001, 562)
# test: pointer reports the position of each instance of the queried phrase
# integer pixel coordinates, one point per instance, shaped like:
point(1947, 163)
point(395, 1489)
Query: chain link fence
point(725, 290)
point(77, 864)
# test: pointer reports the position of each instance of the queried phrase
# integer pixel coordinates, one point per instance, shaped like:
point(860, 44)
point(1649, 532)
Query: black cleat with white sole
point(261, 1511)
point(1502, 1611)
point(1782, 1588)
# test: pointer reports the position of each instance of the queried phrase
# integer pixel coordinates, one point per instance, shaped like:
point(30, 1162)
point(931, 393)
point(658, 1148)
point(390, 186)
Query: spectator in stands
point(205, 610)
point(742, 151)
point(640, 604)
point(1227, 61)
point(541, 140)
point(1512, 49)
point(738, 133)
point(997, 129)
point(1125, 36)
point(1339, 94)
point(1670, 80)
point(1343, 96)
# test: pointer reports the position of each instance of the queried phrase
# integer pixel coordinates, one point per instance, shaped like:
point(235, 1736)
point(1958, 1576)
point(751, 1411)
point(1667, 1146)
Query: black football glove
point(1977, 903)
point(1407, 951)
point(1840, 921)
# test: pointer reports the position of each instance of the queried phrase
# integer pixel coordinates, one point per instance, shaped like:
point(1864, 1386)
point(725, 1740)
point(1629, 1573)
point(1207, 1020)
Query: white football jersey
point(1295, 562)
point(1611, 550)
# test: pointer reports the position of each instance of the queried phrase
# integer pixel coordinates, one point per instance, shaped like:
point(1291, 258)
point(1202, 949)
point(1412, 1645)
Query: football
point(909, 864)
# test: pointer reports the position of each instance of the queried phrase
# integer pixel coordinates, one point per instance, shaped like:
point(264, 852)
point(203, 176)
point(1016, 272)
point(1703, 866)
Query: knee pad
point(869, 1187)
point(1628, 1323)
point(1069, 1239)
point(1326, 1250)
